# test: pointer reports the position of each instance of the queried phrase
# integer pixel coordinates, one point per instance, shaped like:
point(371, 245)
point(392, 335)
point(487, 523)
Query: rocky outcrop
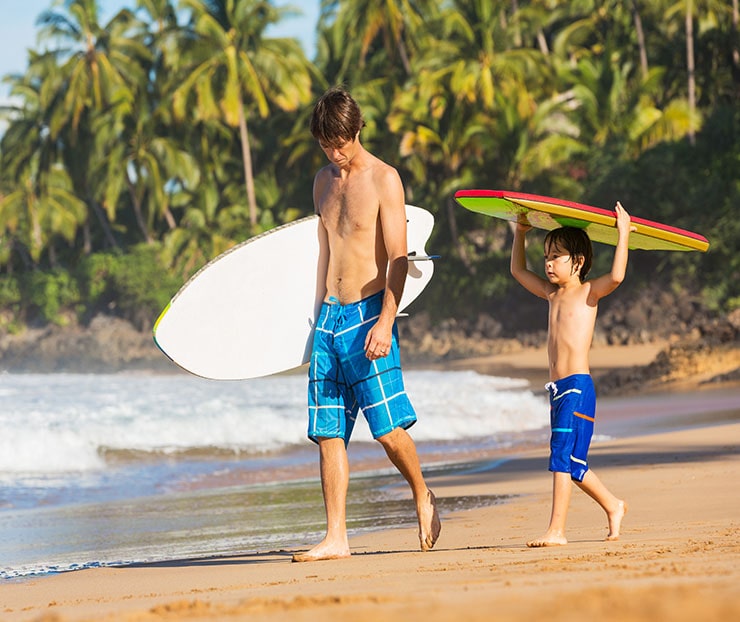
point(108, 344)
point(710, 354)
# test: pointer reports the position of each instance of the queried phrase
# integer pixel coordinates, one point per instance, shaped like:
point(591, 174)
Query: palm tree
point(41, 208)
point(359, 23)
point(145, 164)
point(448, 114)
point(97, 70)
point(710, 12)
point(98, 63)
point(212, 214)
point(141, 157)
point(234, 71)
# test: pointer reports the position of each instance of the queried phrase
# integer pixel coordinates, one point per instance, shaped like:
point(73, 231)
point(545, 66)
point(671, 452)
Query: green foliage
point(54, 295)
point(131, 131)
point(10, 303)
point(692, 187)
point(135, 286)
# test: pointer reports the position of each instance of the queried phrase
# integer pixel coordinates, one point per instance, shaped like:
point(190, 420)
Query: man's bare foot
point(615, 520)
point(323, 551)
point(549, 539)
point(429, 524)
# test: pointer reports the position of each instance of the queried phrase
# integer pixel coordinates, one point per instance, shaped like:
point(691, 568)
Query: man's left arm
point(393, 224)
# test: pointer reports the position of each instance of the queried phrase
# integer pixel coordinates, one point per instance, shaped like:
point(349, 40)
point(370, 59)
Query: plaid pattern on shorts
point(342, 380)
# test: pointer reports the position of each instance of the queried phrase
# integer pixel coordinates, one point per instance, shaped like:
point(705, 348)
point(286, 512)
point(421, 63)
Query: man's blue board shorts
point(572, 413)
point(342, 380)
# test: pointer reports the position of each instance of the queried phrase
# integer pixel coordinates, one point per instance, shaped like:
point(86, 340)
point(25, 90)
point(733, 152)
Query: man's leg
point(402, 453)
point(334, 484)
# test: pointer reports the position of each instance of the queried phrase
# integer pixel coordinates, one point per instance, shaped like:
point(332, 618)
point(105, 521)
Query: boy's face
point(341, 152)
point(560, 267)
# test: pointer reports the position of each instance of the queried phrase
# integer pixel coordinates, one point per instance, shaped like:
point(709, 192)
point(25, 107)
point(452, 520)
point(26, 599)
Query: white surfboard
point(250, 312)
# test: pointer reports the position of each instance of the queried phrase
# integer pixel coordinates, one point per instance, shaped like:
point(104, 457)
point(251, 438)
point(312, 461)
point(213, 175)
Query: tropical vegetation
point(137, 149)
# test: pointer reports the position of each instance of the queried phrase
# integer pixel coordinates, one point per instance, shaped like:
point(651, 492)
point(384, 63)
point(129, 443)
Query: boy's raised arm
point(529, 280)
point(607, 283)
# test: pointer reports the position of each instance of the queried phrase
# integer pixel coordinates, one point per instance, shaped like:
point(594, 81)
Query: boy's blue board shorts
point(342, 380)
point(572, 413)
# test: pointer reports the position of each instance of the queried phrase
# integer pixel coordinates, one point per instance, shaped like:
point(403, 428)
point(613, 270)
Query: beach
point(672, 456)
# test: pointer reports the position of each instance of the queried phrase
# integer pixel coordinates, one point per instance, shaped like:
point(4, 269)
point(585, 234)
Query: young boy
point(573, 304)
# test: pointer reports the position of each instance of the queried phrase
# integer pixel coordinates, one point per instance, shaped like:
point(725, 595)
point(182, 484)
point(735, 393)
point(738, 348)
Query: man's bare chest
point(348, 209)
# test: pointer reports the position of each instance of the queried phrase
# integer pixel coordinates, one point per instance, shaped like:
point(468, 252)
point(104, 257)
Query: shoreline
point(677, 559)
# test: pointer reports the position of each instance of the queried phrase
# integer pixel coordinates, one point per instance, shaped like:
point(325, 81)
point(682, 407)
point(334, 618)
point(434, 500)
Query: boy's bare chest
point(571, 305)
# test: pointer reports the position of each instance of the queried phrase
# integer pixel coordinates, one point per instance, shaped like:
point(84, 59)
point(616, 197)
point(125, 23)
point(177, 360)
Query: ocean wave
point(59, 423)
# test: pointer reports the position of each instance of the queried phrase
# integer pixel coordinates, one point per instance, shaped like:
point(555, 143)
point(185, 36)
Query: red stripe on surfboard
point(513, 196)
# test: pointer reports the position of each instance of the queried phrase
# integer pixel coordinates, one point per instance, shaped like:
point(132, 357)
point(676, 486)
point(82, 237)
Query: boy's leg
point(334, 483)
point(555, 534)
point(615, 508)
point(401, 451)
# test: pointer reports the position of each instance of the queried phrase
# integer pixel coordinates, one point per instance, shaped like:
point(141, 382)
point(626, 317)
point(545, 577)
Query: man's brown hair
point(336, 118)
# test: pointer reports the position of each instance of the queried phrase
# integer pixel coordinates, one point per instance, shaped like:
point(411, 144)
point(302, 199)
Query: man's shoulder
point(384, 172)
point(324, 171)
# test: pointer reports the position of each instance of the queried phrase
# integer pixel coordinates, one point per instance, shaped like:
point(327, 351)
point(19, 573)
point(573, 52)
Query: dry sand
point(678, 558)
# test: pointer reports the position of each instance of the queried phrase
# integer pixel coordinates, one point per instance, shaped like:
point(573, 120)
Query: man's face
point(341, 152)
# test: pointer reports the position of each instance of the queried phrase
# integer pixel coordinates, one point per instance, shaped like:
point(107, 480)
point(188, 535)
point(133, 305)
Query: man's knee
point(394, 440)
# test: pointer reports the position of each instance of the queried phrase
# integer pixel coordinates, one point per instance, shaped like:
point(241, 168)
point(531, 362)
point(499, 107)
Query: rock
point(108, 344)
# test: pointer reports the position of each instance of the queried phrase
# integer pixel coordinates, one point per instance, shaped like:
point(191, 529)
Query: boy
point(573, 304)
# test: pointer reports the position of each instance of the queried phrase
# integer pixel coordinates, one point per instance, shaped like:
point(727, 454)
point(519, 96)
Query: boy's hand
point(623, 220)
point(522, 226)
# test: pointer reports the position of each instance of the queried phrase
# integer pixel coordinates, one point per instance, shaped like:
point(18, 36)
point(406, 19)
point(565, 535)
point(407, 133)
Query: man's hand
point(378, 342)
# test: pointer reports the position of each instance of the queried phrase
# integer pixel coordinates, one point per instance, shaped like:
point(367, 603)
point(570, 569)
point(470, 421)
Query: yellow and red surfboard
point(548, 213)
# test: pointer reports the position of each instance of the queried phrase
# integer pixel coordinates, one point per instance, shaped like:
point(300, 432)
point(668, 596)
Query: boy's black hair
point(576, 242)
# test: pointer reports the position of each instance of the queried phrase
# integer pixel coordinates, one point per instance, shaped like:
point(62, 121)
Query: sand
point(678, 557)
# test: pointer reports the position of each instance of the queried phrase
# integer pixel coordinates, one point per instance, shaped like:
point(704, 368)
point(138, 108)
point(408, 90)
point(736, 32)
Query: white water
point(60, 424)
point(100, 470)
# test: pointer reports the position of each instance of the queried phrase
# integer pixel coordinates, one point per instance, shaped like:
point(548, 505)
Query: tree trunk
point(542, 42)
point(248, 172)
point(404, 56)
point(517, 27)
point(691, 68)
point(137, 211)
point(104, 224)
point(735, 20)
point(169, 218)
point(640, 37)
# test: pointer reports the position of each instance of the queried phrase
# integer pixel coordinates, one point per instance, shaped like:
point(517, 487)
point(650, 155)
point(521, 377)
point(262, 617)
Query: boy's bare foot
point(549, 539)
point(323, 551)
point(429, 523)
point(615, 520)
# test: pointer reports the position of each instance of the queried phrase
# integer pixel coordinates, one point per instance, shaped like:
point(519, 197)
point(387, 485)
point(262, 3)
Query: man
point(355, 362)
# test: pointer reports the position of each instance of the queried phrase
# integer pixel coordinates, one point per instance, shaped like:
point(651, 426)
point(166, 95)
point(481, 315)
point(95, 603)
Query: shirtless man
point(573, 304)
point(355, 361)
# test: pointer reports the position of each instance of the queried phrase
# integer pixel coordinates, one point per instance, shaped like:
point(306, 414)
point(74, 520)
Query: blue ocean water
point(125, 468)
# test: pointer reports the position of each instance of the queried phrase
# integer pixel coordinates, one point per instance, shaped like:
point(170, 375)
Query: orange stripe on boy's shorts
point(582, 416)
